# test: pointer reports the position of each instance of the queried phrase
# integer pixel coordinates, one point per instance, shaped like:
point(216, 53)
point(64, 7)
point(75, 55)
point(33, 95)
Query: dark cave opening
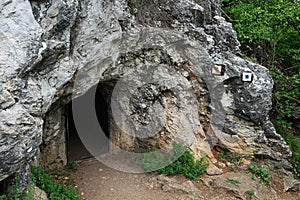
point(76, 150)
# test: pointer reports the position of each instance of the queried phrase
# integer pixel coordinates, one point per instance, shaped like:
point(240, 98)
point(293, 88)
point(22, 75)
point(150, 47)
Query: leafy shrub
point(185, 164)
point(54, 190)
point(294, 144)
point(261, 172)
point(286, 97)
point(296, 164)
point(269, 28)
point(285, 103)
point(45, 182)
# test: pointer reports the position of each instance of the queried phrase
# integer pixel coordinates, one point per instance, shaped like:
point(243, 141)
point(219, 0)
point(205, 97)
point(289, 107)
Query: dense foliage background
point(269, 32)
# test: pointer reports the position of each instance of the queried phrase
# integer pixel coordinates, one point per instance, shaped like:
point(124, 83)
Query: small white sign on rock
point(247, 77)
point(218, 70)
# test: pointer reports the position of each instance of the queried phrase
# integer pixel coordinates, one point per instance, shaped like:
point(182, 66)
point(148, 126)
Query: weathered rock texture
point(240, 190)
point(46, 45)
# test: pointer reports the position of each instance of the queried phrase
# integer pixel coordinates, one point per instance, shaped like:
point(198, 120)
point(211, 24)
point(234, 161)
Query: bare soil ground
point(96, 181)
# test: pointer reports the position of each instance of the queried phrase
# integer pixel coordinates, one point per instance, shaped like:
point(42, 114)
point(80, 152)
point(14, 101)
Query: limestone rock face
point(156, 60)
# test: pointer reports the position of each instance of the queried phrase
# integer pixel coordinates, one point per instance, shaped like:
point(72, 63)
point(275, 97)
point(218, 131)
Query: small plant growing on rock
point(250, 192)
point(234, 160)
point(278, 165)
point(233, 181)
point(261, 173)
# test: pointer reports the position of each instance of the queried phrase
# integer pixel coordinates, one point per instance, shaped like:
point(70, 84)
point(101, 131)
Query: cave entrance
point(75, 147)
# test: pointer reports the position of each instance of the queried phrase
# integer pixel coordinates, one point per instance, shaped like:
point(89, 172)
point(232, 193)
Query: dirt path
point(96, 181)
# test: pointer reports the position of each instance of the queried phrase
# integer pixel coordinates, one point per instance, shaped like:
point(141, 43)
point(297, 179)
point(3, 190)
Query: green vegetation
point(55, 191)
point(278, 165)
point(269, 28)
point(185, 164)
point(226, 156)
point(233, 181)
point(269, 32)
point(261, 173)
point(294, 144)
point(46, 182)
point(250, 192)
point(71, 167)
point(296, 164)
point(15, 193)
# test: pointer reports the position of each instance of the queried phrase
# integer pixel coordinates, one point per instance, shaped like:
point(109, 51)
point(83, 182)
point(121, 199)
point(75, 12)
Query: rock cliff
point(156, 59)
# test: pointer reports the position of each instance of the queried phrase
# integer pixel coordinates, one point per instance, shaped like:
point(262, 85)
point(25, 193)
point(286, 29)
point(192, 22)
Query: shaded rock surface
point(54, 51)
